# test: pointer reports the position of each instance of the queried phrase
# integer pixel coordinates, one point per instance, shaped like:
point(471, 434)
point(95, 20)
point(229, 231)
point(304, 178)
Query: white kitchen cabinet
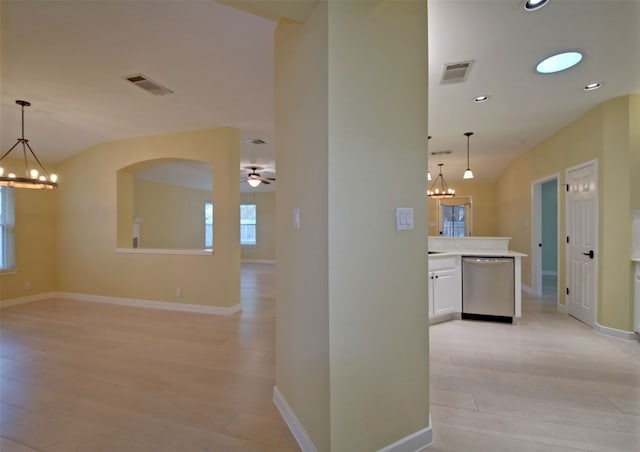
point(445, 287)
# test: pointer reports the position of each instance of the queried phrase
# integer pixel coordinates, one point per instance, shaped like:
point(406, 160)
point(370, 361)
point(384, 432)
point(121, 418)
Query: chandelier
point(439, 188)
point(33, 178)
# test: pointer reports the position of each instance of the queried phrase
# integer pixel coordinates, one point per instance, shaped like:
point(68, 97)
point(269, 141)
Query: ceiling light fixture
point(33, 178)
point(254, 141)
point(592, 86)
point(468, 174)
point(559, 62)
point(480, 99)
point(254, 182)
point(439, 188)
point(533, 5)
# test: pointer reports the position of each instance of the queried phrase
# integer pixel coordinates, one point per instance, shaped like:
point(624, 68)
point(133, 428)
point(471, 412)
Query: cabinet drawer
point(443, 262)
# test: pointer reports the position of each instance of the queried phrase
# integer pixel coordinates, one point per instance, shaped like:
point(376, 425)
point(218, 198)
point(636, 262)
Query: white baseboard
point(296, 428)
point(527, 289)
point(27, 299)
point(415, 442)
point(614, 332)
point(218, 310)
point(549, 273)
point(563, 308)
point(257, 261)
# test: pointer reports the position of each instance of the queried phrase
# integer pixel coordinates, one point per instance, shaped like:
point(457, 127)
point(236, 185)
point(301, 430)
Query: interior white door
point(582, 233)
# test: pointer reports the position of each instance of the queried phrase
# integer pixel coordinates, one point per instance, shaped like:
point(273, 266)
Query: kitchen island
point(446, 278)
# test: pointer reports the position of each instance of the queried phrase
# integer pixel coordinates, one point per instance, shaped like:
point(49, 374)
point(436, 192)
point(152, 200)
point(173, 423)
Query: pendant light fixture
point(439, 188)
point(33, 178)
point(428, 172)
point(468, 174)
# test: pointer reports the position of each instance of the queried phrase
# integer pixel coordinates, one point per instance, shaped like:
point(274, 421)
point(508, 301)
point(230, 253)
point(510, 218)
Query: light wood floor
point(78, 376)
point(549, 384)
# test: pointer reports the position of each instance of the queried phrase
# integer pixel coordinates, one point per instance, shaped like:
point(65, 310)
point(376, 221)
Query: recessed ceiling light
point(532, 5)
point(592, 86)
point(480, 99)
point(559, 62)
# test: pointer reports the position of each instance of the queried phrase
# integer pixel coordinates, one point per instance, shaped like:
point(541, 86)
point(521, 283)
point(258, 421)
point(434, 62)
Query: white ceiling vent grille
point(441, 152)
point(456, 72)
point(145, 83)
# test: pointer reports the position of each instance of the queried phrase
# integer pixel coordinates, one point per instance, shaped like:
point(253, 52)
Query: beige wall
point(35, 244)
point(351, 289)
point(302, 313)
point(608, 133)
point(265, 248)
point(484, 209)
point(173, 215)
point(87, 261)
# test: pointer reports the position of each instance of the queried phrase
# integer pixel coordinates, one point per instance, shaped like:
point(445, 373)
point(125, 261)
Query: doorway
point(544, 245)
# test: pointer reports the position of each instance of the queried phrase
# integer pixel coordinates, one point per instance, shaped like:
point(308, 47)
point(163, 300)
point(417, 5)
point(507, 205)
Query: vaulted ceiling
point(70, 59)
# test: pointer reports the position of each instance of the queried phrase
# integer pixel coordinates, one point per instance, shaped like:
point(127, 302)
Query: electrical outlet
point(178, 292)
point(27, 285)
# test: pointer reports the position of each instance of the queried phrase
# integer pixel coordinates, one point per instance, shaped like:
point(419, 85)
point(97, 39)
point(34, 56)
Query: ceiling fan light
point(468, 174)
point(253, 182)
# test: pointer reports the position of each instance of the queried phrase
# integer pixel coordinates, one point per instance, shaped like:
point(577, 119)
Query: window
point(247, 224)
point(208, 225)
point(455, 217)
point(7, 221)
point(453, 221)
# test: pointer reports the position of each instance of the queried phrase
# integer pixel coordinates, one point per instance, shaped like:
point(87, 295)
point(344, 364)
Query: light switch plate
point(404, 218)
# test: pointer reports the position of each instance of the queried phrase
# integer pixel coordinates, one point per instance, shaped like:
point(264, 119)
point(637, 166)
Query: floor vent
point(145, 83)
point(456, 72)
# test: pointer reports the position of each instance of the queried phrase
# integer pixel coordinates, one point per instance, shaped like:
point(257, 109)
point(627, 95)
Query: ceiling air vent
point(145, 83)
point(441, 152)
point(456, 72)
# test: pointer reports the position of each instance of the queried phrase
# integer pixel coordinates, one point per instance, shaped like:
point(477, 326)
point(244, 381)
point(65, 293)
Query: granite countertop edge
point(488, 253)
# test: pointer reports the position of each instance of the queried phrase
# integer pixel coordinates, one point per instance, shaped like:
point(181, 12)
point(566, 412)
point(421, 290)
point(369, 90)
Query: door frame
point(536, 233)
point(596, 243)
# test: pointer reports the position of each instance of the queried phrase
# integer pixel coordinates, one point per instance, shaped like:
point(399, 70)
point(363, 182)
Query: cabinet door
point(446, 290)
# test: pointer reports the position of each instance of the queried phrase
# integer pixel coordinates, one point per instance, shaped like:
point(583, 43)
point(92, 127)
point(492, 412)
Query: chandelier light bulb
point(1, 171)
point(53, 178)
point(34, 173)
point(11, 175)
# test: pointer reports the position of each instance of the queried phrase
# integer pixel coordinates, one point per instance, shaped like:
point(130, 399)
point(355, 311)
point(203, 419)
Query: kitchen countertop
point(489, 253)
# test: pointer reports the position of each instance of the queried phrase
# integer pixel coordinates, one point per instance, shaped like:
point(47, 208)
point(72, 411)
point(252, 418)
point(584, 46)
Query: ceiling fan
point(254, 179)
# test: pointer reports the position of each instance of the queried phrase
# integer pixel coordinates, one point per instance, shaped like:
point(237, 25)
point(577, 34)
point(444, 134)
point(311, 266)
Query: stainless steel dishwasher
point(488, 288)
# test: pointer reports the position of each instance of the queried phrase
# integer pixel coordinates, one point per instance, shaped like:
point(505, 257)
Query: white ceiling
point(68, 58)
